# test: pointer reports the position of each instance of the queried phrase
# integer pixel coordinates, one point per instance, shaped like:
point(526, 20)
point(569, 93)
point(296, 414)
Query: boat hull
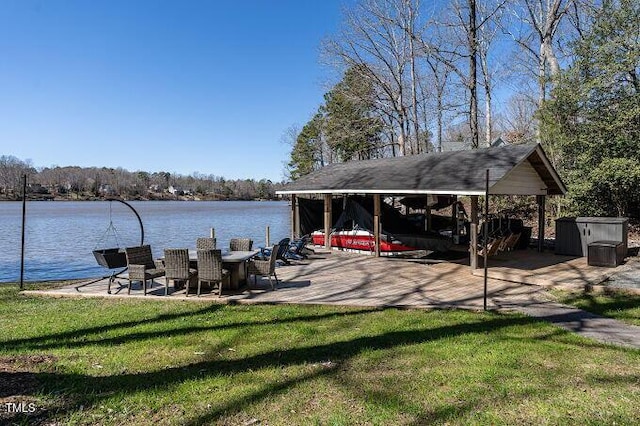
point(359, 240)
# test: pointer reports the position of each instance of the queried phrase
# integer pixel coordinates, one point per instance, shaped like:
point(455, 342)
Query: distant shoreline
point(186, 199)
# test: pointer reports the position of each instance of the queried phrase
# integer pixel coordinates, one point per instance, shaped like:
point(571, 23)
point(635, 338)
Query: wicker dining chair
point(176, 266)
point(205, 243)
point(240, 244)
point(210, 269)
point(141, 266)
point(265, 268)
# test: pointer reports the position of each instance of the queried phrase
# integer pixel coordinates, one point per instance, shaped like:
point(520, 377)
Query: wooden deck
point(545, 269)
point(338, 278)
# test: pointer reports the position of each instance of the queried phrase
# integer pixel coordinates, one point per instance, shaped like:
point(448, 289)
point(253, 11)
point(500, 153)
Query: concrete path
point(602, 329)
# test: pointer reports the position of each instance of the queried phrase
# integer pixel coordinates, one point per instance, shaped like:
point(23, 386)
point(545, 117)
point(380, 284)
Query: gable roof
point(513, 170)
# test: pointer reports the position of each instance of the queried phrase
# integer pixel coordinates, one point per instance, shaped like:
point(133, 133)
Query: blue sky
point(177, 86)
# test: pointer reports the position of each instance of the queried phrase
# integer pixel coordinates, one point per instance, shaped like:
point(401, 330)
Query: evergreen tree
point(592, 123)
point(306, 152)
point(351, 128)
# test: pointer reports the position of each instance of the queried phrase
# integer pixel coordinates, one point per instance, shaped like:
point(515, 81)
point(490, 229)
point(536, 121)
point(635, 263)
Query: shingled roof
point(513, 170)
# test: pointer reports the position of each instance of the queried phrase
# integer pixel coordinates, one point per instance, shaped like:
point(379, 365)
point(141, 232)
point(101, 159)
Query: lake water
point(60, 236)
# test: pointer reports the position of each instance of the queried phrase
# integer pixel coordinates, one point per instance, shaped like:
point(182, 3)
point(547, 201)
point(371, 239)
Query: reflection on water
point(60, 236)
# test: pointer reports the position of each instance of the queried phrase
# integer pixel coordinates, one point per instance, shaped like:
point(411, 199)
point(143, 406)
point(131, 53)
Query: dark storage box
point(574, 234)
point(606, 253)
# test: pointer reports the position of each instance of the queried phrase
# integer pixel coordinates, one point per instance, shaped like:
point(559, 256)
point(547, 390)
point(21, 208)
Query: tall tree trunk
point(440, 78)
point(487, 113)
point(487, 98)
point(473, 74)
point(440, 113)
point(550, 57)
point(414, 104)
point(542, 74)
point(402, 137)
point(393, 144)
point(414, 82)
point(425, 121)
point(542, 86)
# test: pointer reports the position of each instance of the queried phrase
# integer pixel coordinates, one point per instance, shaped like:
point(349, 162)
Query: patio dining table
point(233, 261)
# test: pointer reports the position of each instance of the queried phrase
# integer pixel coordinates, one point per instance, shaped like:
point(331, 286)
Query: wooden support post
point(541, 199)
point(454, 216)
point(267, 237)
point(212, 232)
point(296, 213)
point(473, 238)
point(427, 215)
point(425, 225)
point(376, 224)
point(485, 238)
point(294, 201)
point(327, 221)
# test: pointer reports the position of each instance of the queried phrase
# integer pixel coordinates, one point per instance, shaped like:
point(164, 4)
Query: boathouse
point(504, 170)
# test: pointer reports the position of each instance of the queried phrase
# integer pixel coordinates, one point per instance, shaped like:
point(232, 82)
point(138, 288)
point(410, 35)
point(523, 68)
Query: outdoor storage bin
point(605, 253)
point(574, 234)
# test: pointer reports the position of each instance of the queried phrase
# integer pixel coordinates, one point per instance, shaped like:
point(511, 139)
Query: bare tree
point(12, 170)
point(460, 52)
point(373, 42)
point(408, 14)
point(472, 35)
point(487, 35)
point(535, 29)
point(426, 71)
point(519, 119)
point(441, 78)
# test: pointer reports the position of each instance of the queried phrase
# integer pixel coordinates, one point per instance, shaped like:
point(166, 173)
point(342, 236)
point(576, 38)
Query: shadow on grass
point(67, 338)
point(81, 338)
point(85, 390)
point(613, 302)
point(626, 379)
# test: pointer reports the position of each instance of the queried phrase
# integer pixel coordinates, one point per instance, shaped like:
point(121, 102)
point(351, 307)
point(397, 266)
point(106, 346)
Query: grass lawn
point(97, 361)
point(621, 306)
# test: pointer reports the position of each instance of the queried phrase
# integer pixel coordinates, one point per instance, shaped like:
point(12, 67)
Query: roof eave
point(552, 170)
point(382, 191)
point(543, 166)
